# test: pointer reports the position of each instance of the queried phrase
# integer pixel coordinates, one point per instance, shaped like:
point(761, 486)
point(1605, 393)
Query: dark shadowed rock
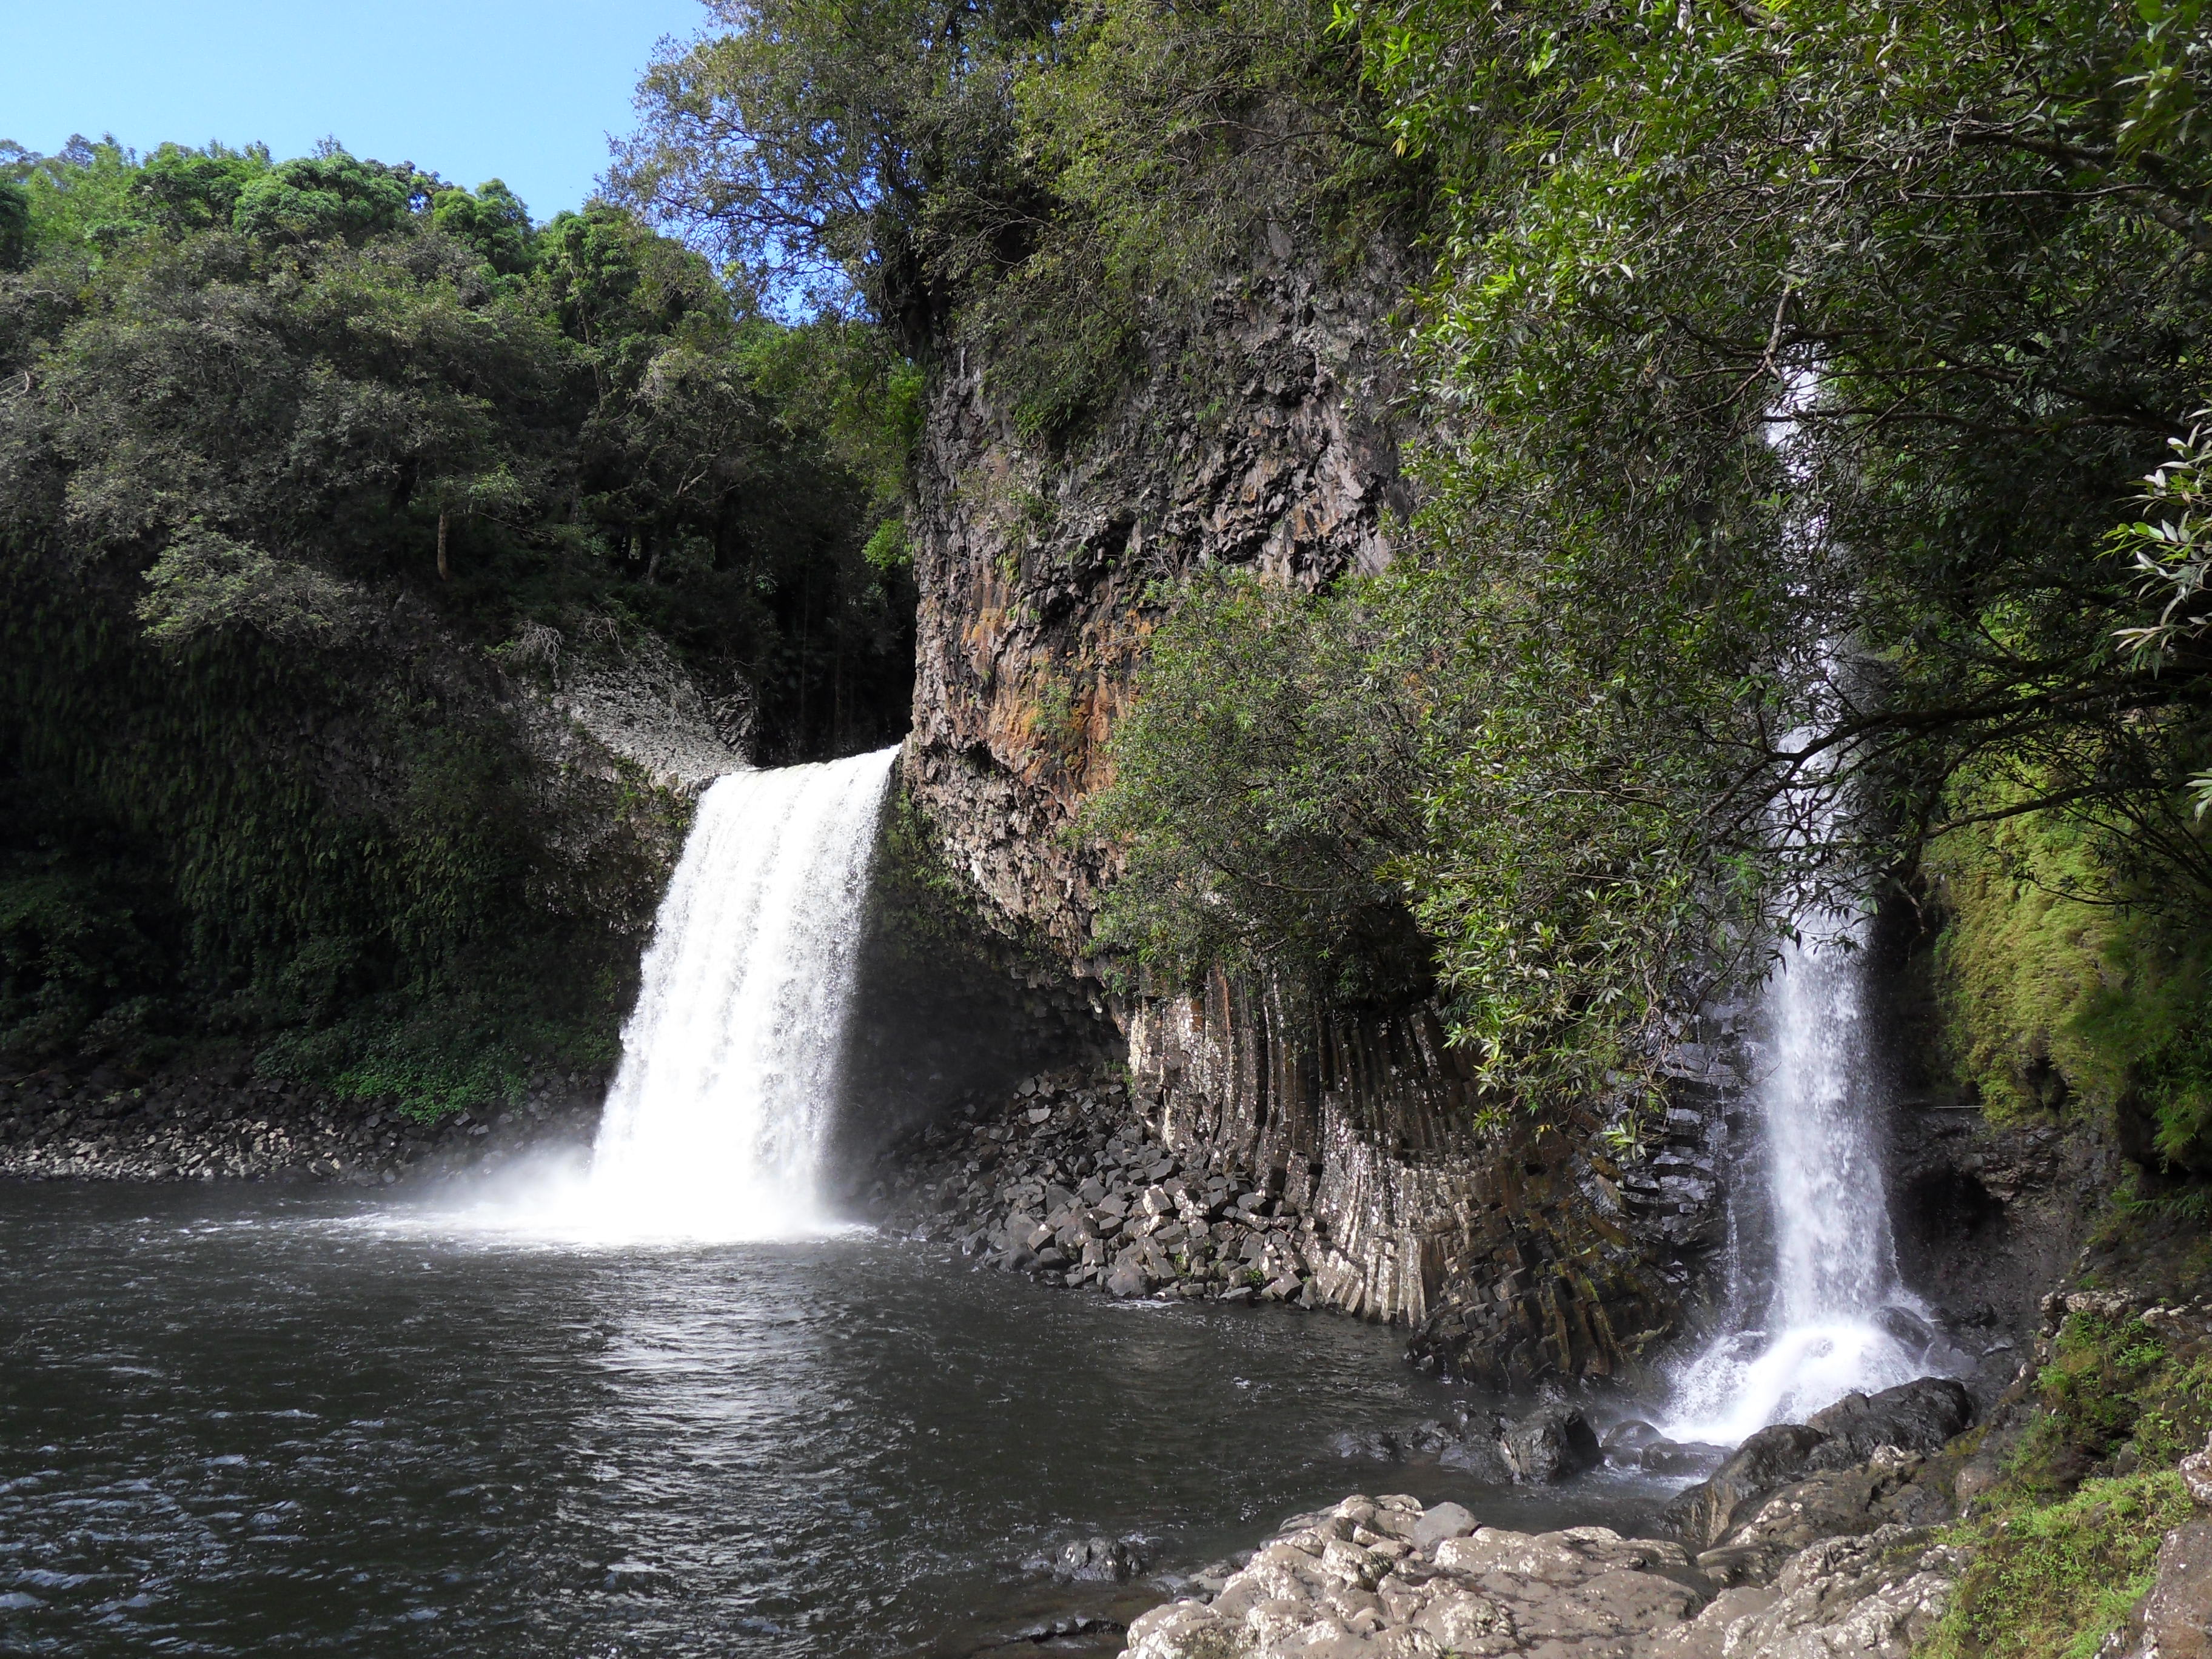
point(1919, 1416)
point(1099, 1560)
point(1677, 1457)
point(1772, 1458)
point(1366, 1446)
point(1551, 1444)
point(1482, 1459)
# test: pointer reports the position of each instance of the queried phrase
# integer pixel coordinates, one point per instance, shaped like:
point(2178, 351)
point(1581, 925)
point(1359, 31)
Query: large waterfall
point(714, 1128)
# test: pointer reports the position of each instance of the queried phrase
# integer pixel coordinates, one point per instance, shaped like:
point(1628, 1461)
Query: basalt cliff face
point(1259, 437)
point(1262, 438)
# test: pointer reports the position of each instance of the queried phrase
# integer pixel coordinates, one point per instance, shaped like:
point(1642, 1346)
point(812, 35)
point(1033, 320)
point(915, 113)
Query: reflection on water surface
point(246, 1421)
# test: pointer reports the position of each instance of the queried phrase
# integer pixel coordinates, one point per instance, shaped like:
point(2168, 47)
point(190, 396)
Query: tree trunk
point(443, 574)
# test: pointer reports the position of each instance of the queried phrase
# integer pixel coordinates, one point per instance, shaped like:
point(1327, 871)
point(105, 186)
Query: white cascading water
point(714, 1126)
point(1835, 1262)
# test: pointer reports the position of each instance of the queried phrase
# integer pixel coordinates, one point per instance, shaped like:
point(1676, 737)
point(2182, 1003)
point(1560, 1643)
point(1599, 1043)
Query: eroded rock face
point(1259, 437)
point(1516, 1254)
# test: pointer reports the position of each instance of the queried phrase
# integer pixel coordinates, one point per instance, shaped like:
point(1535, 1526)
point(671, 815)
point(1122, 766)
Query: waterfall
point(1834, 1307)
point(714, 1125)
point(1834, 1303)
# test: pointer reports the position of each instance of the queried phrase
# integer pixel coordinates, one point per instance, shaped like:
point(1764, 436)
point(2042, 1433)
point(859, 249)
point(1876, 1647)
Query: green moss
point(2056, 1003)
point(2052, 1582)
point(2065, 1543)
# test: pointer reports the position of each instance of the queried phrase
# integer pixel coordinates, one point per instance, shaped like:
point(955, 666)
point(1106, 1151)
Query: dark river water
point(252, 1420)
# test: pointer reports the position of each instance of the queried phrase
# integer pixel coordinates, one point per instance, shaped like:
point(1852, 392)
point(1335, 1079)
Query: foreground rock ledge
point(1383, 1578)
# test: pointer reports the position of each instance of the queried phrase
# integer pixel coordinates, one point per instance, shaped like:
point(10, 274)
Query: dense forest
point(1806, 424)
point(318, 480)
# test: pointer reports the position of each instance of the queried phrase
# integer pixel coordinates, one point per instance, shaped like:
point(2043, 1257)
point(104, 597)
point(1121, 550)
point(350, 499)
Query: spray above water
point(714, 1128)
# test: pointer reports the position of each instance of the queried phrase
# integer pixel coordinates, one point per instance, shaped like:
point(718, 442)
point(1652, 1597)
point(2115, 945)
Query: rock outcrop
point(1793, 1482)
point(1381, 1576)
point(1517, 1254)
point(1078, 1177)
point(2173, 1620)
point(1257, 434)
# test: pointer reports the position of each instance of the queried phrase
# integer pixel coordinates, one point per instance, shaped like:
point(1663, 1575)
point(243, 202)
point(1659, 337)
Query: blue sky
point(523, 90)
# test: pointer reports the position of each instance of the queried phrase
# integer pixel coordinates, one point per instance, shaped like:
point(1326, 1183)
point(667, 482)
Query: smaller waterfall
point(1826, 1329)
point(714, 1127)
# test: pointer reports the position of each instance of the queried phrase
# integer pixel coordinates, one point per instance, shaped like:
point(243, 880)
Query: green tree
point(263, 773)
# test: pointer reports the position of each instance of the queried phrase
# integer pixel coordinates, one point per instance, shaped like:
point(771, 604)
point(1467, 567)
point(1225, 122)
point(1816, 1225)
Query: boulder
point(2174, 1619)
point(1551, 1444)
point(1099, 1560)
point(1126, 1283)
point(1483, 1460)
point(1877, 1596)
point(1919, 1416)
point(1773, 1457)
point(1677, 1457)
point(1630, 1434)
point(1440, 1522)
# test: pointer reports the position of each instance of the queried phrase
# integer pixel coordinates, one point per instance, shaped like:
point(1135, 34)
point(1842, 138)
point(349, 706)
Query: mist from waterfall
point(714, 1125)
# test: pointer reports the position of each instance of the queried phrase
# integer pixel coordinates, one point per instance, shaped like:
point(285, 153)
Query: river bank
point(1385, 1578)
point(222, 1122)
point(1065, 1181)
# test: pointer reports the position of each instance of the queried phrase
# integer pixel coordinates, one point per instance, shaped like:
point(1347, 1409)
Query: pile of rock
point(1064, 1182)
point(1382, 1576)
point(201, 1126)
point(1550, 1444)
point(1857, 1467)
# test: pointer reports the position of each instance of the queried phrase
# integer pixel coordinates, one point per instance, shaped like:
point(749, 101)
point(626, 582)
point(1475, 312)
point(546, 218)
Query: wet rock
point(1630, 1434)
point(1484, 1460)
point(1366, 1446)
point(1919, 1416)
point(1769, 1459)
point(1550, 1445)
point(1679, 1458)
point(1126, 1283)
point(1099, 1560)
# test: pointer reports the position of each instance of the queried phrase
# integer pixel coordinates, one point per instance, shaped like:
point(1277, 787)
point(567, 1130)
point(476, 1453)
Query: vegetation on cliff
point(317, 478)
point(1793, 373)
point(1787, 381)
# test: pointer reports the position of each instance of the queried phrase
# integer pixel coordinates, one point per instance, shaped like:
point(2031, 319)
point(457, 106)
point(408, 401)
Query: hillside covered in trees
point(321, 481)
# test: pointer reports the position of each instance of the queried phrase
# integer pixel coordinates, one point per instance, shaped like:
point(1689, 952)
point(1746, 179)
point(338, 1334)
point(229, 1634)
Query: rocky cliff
point(1260, 435)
